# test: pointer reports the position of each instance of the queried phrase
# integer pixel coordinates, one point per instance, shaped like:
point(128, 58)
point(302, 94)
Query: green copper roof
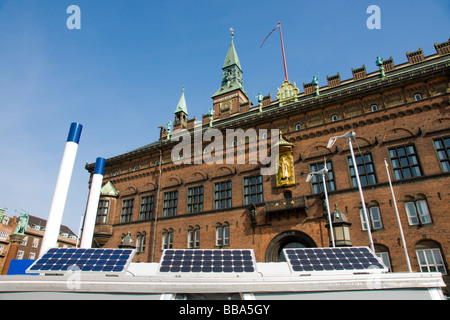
point(232, 57)
point(181, 107)
point(232, 72)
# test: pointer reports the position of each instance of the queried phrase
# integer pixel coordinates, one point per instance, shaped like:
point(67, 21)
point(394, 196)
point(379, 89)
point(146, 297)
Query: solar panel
point(341, 260)
point(214, 261)
point(62, 260)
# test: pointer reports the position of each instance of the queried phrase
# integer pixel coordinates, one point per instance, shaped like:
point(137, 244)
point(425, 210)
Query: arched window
point(417, 97)
point(374, 108)
point(429, 256)
point(374, 214)
point(140, 242)
point(298, 127)
point(334, 117)
point(417, 210)
point(222, 234)
point(193, 237)
point(167, 240)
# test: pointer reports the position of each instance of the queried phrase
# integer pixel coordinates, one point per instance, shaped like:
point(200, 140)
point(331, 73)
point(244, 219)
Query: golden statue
point(285, 164)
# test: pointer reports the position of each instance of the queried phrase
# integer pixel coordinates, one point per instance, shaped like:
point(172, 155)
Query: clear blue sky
point(122, 74)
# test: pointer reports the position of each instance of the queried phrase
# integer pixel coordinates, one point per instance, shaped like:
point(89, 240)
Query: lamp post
point(349, 136)
point(341, 227)
point(323, 172)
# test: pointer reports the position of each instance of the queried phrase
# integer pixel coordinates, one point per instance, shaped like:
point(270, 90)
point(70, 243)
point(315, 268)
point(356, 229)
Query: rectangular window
point(170, 204)
point(195, 199)
point(102, 212)
point(430, 260)
point(418, 212)
point(405, 162)
point(194, 239)
point(317, 183)
point(253, 190)
point(35, 243)
point(443, 152)
point(127, 211)
point(222, 195)
point(223, 236)
point(366, 170)
point(146, 208)
point(374, 217)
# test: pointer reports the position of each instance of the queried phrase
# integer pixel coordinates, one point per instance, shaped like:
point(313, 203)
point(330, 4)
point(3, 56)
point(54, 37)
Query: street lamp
point(349, 136)
point(323, 172)
point(341, 228)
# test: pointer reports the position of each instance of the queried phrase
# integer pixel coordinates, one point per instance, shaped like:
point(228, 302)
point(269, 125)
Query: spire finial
point(232, 34)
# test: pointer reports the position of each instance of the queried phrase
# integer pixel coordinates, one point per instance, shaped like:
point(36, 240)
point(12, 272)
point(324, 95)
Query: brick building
point(31, 244)
point(400, 113)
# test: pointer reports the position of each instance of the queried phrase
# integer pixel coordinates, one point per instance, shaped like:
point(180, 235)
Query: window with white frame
point(35, 243)
point(430, 260)
point(140, 242)
point(193, 238)
point(374, 217)
point(384, 256)
point(167, 241)
point(417, 97)
point(3, 235)
point(223, 235)
point(417, 212)
point(102, 212)
point(20, 255)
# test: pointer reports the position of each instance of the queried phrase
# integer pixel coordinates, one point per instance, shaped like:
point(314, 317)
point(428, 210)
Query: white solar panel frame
point(209, 274)
point(75, 268)
point(330, 272)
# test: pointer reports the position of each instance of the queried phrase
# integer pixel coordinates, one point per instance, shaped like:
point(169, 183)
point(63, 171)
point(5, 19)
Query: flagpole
point(358, 182)
point(398, 218)
point(282, 49)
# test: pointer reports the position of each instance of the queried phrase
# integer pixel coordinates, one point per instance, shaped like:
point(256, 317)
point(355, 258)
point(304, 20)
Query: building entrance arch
point(287, 239)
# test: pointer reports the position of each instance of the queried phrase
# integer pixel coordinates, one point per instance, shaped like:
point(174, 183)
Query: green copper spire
point(232, 57)
point(181, 107)
point(232, 72)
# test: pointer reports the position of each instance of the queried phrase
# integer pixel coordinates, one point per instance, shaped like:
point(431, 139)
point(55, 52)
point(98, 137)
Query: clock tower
point(231, 94)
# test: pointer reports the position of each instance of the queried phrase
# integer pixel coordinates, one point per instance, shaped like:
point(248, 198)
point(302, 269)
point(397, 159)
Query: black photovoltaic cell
point(207, 261)
point(353, 259)
point(61, 260)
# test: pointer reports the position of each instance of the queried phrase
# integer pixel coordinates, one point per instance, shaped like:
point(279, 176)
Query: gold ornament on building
point(285, 163)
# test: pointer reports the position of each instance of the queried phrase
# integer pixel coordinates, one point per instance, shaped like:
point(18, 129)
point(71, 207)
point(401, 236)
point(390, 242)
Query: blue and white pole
point(62, 188)
point(94, 197)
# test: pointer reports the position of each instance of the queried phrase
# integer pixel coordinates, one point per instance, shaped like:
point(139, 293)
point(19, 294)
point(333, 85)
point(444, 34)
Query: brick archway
point(284, 239)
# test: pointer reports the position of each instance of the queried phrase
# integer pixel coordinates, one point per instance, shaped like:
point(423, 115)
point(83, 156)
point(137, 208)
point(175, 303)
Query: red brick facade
point(408, 111)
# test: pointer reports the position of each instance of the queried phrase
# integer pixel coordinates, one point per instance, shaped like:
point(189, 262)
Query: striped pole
point(94, 197)
point(62, 188)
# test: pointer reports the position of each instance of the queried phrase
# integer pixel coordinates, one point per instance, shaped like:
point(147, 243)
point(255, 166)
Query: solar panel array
point(62, 260)
point(342, 260)
point(194, 261)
